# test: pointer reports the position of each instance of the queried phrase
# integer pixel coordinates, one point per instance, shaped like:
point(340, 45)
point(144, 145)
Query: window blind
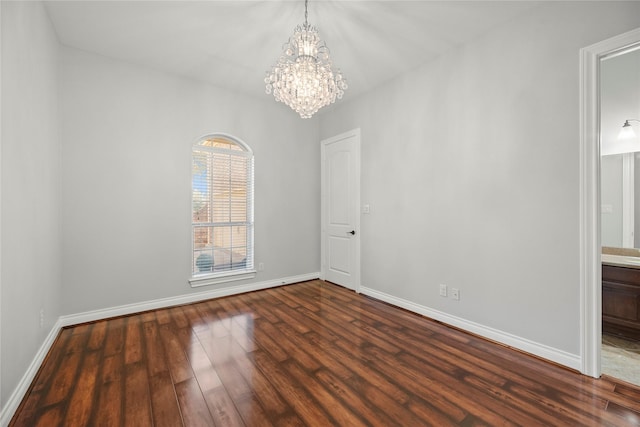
point(222, 207)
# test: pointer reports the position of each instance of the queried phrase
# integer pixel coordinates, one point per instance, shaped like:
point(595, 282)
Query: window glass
point(222, 207)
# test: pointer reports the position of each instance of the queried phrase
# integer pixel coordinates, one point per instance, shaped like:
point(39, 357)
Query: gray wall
point(127, 133)
point(31, 235)
point(470, 166)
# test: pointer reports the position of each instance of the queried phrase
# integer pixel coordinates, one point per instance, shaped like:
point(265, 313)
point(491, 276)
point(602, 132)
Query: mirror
point(620, 161)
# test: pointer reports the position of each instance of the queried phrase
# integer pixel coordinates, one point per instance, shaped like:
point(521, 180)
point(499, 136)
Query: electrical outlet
point(42, 317)
point(443, 290)
point(455, 294)
point(261, 266)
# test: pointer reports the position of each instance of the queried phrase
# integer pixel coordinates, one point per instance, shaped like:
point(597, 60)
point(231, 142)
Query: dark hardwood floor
point(306, 354)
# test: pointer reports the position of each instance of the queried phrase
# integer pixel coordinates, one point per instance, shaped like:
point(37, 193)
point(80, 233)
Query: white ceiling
point(234, 43)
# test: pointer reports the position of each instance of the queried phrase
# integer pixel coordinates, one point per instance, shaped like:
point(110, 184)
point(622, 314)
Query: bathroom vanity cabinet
point(621, 300)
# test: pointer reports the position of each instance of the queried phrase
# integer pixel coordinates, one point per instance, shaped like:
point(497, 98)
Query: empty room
point(324, 212)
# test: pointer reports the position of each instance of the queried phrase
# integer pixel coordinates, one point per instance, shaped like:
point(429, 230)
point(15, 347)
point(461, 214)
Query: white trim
point(25, 382)
point(352, 133)
point(590, 246)
point(214, 279)
point(1, 407)
point(531, 347)
point(628, 199)
point(105, 313)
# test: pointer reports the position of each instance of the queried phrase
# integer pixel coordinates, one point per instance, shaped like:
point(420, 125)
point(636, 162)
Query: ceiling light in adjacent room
point(627, 130)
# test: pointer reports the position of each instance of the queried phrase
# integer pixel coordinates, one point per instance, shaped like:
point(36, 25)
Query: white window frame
point(204, 279)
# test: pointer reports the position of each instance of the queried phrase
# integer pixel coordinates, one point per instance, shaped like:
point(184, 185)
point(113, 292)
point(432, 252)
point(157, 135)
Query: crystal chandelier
point(303, 78)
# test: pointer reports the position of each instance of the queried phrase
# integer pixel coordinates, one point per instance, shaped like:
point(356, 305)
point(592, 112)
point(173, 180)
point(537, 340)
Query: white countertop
point(621, 261)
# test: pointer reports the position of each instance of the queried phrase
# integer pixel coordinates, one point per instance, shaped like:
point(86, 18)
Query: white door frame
point(323, 145)
point(590, 245)
point(1, 408)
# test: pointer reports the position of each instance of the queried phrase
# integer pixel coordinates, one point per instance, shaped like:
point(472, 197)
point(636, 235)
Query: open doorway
point(619, 194)
point(590, 194)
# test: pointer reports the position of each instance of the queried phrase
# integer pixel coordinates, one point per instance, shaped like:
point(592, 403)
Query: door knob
point(352, 232)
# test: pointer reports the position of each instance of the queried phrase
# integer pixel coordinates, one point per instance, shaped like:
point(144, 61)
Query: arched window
point(222, 210)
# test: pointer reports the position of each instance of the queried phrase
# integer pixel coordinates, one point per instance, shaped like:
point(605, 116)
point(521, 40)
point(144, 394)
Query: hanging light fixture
point(303, 78)
point(627, 131)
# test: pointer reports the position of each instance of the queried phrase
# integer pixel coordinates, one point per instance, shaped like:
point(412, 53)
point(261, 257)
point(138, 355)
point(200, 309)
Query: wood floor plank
point(241, 329)
point(623, 415)
point(297, 300)
point(155, 357)
point(259, 306)
point(267, 343)
point(474, 401)
point(362, 370)
point(163, 317)
point(178, 317)
point(223, 363)
point(51, 417)
point(109, 409)
point(629, 391)
point(148, 316)
point(330, 402)
point(62, 382)
point(242, 308)
point(290, 348)
point(112, 368)
point(296, 396)
point(216, 327)
point(164, 403)
point(312, 354)
point(176, 358)
point(115, 337)
point(81, 402)
point(222, 408)
point(253, 414)
point(97, 335)
point(133, 341)
point(367, 401)
point(137, 402)
point(203, 369)
point(318, 355)
point(195, 412)
point(264, 393)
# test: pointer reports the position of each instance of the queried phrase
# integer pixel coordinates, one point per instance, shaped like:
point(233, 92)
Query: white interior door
point(340, 209)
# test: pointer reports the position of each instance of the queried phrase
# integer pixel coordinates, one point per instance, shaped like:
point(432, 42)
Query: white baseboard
point(16, 397)
point(553, 354)
point(90, 316)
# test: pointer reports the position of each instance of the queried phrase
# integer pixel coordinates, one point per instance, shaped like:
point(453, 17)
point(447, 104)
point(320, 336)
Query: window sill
point(212, 279)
